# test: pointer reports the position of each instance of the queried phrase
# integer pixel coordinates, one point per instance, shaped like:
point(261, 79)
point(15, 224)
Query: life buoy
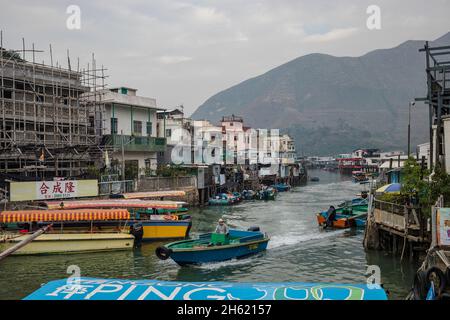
point(440, 275)
point(163, 253)
point(171, 217)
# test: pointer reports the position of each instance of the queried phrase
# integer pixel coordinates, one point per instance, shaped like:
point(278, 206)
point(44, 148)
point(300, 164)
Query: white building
point(129, 127)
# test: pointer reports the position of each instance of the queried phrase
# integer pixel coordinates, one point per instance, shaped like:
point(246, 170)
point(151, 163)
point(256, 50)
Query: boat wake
point(292, 239)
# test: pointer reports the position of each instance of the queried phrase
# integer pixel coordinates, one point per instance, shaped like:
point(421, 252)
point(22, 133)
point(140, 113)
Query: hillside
point(335, 104)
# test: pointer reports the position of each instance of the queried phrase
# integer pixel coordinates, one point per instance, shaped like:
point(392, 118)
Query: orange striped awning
point(113, 203)
point(153, 194)
point(63, 215)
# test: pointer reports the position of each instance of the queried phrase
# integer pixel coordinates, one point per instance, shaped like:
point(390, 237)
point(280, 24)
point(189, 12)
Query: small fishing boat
point(237, 196)
point(248, 195)
point(314, 179)
point(359, 204)
point(282, 187)
point(345, 217)
point(267, 194)
point(222, 199)
point(213, 247)
point(359, 176)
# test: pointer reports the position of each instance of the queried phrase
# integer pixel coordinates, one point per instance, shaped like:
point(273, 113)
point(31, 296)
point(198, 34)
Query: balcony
point(136, 143)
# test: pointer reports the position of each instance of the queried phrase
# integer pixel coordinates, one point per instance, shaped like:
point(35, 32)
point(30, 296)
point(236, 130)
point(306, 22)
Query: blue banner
point(116, 289)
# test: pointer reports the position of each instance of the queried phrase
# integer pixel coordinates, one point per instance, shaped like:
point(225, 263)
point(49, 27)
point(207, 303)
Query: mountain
point(335, 104)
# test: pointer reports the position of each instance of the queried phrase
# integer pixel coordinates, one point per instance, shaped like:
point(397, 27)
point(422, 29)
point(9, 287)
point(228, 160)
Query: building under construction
point(438, 100)
point(50, 120)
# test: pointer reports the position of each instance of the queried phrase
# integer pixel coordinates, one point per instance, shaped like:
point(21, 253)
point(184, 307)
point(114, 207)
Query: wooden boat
point(64, 240)
point(113, 203)
point(359, 176)
point(53, 243)
point(248, 194)
point(267, 194)
point(212, 247)
point(149, 195)
point(237, 196)
point(282, 187)
point(222, 199)
point(345, 217)
point(170, 222)
point(358, 203)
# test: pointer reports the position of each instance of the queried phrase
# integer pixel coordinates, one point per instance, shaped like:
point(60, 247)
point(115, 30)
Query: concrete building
point(130, 128)
point(177, 130)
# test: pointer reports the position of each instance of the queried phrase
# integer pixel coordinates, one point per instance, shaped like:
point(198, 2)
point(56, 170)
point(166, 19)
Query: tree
point(414, 186)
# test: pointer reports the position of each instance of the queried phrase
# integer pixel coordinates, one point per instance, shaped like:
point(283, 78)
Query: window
point(168, 133)
point(137, 127)
point(7, 94)
point(149, 128)
point(123, 90)
point(114, 125)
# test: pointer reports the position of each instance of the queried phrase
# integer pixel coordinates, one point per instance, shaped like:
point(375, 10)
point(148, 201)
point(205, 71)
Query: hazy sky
point(182, 52)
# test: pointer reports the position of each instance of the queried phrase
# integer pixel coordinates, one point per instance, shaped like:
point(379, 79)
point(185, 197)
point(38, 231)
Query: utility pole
point(123, 155)
point(411, 104)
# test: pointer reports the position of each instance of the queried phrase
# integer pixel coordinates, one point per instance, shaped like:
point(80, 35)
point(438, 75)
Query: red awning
point(63, 215)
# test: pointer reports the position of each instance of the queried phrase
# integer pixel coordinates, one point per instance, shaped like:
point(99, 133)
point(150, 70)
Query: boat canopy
point(63, 215)
point(113, 203)
point(153, 194)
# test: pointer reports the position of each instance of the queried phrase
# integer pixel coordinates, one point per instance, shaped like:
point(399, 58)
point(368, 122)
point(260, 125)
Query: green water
point(298, 250)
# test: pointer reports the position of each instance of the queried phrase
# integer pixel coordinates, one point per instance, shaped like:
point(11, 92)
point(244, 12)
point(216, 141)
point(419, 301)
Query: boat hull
point(159, 230)
point(51, 243)
point(219, 253)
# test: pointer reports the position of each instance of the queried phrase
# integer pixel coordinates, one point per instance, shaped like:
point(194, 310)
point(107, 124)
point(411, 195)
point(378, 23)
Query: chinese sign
point(443, 224)
point(115, 289)
point(48, 190)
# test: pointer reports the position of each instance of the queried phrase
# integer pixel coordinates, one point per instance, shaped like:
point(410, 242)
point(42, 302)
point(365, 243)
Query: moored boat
point(282, 187)
point(267, 194)
point(19, 226)
point(159, 219)
point(222, 199)
point(248, 194)
point(212, 247)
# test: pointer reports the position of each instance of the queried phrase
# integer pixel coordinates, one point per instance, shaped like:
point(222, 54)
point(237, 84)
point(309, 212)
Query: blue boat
point(248, 195)
point(282, 187)
point(354, 203)
point(222, 199)
point(88, 289)
point(212, 247)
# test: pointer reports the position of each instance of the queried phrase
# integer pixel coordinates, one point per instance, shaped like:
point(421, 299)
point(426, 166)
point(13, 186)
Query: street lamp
point(411, 104)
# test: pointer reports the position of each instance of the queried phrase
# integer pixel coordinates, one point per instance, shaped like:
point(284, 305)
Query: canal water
point(298, 250)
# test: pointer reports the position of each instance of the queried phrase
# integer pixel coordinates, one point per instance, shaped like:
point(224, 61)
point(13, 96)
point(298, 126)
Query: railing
point(167, 183)
point(389, 206)
point(115, 187)
point(136, 143)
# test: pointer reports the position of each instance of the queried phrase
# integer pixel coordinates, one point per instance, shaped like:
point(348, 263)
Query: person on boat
point(222, 227)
